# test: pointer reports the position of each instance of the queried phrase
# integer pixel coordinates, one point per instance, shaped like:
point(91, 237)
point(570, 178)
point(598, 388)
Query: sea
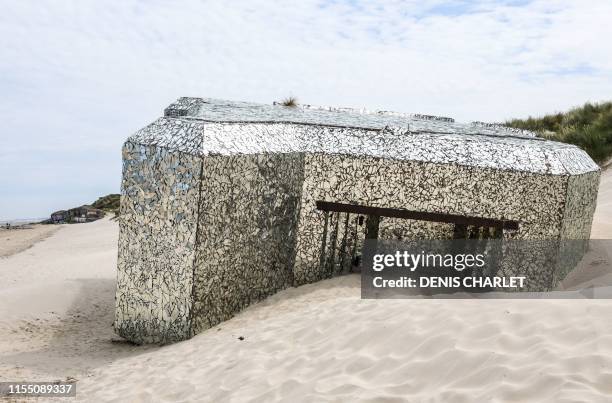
point(21, 221)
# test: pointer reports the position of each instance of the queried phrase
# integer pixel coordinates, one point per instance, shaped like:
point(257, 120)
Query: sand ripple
point(322, 343)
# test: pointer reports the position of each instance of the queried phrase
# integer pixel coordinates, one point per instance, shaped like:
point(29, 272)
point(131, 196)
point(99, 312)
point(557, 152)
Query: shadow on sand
point(80, 339)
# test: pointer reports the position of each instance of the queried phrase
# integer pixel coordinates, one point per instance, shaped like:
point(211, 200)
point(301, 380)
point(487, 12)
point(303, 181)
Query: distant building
point(59, 217)
point(224, 203)
point(80, 214)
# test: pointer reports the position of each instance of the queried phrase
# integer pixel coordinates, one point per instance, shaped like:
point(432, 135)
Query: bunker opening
point(348, 226)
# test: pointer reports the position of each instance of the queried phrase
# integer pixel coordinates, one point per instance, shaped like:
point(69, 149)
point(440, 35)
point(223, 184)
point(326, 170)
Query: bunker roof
point(204, 126)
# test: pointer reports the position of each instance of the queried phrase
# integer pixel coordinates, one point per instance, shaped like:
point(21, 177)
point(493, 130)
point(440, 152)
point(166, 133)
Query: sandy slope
point(319, 342)
point(56, 302)
point(602, 220)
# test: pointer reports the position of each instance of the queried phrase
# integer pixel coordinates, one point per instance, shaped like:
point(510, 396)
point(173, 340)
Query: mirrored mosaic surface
point(219, 201)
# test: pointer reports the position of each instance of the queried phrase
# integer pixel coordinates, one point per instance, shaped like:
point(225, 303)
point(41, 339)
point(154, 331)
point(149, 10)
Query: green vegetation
point(291, 102)
point(109, 203)
point(589, 127)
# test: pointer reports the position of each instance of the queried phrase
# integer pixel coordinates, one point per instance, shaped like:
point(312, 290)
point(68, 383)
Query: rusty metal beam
point(417, 215)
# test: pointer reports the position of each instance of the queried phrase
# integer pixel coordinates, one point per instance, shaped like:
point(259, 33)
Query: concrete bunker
point(224, 203)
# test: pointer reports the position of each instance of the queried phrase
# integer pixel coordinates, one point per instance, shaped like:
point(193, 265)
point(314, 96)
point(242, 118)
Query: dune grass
point(109, 203)
point(290, 102)
point(588, 126)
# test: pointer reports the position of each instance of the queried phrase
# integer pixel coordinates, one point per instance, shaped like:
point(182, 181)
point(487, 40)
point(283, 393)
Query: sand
point(602, 219)
point(21, 238)
point(56, 305)
point(322, 343)
point(318, 342)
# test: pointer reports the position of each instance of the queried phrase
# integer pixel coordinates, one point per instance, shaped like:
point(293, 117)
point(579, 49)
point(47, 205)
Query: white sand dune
point(322, 343)
point(56, 305)
point(318, 342)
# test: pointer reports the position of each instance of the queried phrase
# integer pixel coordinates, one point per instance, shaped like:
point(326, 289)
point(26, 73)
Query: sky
point(78, 77)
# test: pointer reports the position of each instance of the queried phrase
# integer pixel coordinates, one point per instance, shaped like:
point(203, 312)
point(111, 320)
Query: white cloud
point(80, 76)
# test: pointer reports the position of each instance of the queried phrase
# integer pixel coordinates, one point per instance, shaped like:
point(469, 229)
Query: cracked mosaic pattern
point(497, 152)
point(579, 205)
point(183, 107)
point(424, 187)
point(248, 214)
point(172, 134)
point(160, 191)
point(218, 200)
point(226, 111)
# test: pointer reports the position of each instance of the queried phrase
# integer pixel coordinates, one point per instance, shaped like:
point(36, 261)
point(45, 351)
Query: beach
point(56, 301)
point(20, 238)
point(319, 342)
